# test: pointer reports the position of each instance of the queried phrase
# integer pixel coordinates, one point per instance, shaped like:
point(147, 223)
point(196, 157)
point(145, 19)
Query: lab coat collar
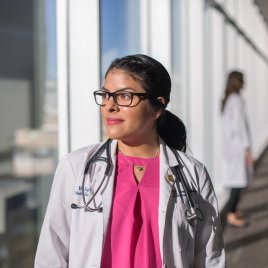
point(167, 153)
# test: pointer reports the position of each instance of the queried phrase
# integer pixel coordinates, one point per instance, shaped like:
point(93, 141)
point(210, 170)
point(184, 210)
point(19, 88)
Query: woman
point(138, 216)
point(236, 145)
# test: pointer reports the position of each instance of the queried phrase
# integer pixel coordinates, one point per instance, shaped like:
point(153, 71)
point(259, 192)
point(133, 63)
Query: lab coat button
point(170, 178)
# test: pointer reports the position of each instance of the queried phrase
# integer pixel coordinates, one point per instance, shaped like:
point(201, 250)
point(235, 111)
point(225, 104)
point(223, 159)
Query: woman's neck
point(143, 149)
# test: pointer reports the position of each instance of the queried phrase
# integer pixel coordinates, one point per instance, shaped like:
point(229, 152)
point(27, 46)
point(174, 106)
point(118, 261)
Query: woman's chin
point(115, 135)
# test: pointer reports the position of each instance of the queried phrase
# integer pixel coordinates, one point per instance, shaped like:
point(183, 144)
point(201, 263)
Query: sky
point(50, 15)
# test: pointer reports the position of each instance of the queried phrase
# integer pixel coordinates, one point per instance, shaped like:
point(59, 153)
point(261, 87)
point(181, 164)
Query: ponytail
point(172, 130)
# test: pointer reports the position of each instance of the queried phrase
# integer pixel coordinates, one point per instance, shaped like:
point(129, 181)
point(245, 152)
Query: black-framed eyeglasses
point(121, 97)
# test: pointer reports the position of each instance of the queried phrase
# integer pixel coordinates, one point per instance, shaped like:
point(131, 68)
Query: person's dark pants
point(234, 199)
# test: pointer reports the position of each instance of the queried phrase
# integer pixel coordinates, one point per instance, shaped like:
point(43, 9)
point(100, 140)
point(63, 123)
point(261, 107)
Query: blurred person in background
point(122, 203)
point(236, 152)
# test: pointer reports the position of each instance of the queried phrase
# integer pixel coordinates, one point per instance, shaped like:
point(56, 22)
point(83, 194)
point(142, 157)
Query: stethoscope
point(95, 158)
point(192, 214)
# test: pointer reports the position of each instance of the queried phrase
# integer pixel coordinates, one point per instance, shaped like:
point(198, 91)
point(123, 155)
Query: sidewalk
point(248, 247)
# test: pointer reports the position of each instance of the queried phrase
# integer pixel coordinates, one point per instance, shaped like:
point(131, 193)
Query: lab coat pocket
point(186, 230)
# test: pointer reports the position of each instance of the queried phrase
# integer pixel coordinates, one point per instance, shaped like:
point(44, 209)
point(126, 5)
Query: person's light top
point(132, 238)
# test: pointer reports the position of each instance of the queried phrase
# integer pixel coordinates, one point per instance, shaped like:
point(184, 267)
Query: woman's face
point(133, 124)
point(238, 82)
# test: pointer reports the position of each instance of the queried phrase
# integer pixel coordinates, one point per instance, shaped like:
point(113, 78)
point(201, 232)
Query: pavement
point(247, 247)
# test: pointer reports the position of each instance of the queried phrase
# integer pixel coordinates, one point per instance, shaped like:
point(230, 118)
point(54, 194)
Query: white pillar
point(160, 32)
point(145, 26)
point(196, 78)
point(78, 73)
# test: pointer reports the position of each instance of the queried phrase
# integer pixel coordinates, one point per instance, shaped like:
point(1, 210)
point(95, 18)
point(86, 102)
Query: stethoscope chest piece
point(193, 215)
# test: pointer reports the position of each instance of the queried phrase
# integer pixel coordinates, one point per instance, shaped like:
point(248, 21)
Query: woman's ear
point(162, 100)
point(159, 111)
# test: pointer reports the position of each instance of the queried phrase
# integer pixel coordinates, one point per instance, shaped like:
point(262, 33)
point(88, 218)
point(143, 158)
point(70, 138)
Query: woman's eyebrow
point(119, 90)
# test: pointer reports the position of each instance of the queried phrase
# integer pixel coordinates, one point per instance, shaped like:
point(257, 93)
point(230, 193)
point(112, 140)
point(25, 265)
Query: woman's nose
point(111, 105)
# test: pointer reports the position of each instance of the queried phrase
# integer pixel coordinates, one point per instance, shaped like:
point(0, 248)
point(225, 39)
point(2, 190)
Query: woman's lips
point(113, 121)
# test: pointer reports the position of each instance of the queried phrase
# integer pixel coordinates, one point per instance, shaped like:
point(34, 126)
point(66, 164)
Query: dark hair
point(231, 86)
point(154, 79)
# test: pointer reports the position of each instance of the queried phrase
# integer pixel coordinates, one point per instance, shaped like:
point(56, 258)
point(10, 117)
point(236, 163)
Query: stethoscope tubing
point(95, 158)
point(183, 179)
point(193, 213)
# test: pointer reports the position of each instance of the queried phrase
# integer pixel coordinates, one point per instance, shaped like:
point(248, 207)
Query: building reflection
point(28, 118)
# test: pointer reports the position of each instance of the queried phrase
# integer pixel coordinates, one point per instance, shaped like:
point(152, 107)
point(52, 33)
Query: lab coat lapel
point(167, 160)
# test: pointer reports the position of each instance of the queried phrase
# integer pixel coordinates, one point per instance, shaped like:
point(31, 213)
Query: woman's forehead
point(120, 77)
point(116, 79)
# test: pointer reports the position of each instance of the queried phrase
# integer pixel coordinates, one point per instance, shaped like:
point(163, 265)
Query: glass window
point(120, 30)
point(28, 118)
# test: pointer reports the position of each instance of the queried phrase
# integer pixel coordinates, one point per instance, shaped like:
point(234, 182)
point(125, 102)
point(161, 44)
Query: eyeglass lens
point(120, 98)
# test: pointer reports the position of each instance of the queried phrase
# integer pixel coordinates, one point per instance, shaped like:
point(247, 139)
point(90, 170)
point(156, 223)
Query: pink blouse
point(132, 239)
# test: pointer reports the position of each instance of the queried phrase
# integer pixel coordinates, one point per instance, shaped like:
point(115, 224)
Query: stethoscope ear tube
point(108, 167)
point(182, 178)
point(95, 157)
point(192, 214)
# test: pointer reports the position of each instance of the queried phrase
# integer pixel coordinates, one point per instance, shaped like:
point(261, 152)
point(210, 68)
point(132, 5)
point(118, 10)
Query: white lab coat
point(235, 141)
point(75, 238)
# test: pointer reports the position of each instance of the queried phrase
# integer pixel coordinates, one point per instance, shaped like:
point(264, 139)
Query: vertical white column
point(78, 57)
point(84, 51)
point(232, 48)
point(185, 62)
point(216, 76)
point(208, 93)
point(160, 32)
point(145, 26)
point(196, 78)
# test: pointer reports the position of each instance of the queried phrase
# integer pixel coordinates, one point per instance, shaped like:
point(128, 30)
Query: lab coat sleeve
point(53, 246)
point(209, 246)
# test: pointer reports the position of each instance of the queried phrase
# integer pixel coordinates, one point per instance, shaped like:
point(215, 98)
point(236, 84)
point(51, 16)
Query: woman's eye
point(124, 96)
point(105, 95)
